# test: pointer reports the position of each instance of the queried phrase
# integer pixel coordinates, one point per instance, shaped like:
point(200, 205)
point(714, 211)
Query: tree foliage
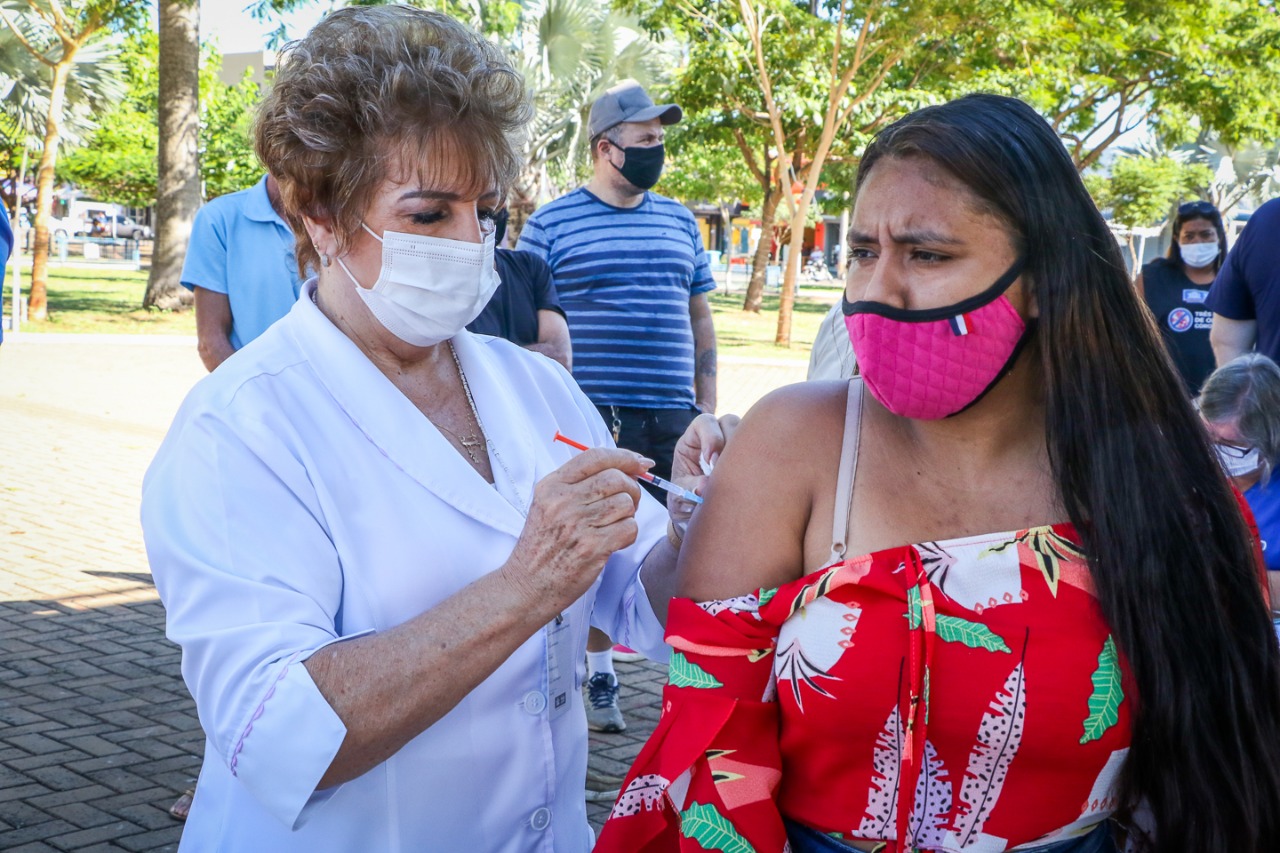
point(1098, 69)
point(498, 19)
point(24, 89)
point(54, 32)
point(570, 52)
point(795, 86)
point(1141, 190)
point(228, 162)
point(119, 162)
point(1237, 172)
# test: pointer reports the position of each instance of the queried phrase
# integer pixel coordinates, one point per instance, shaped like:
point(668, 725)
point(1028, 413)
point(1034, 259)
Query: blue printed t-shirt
point(625, 277)
point(1248, 285)
point(1264, 502)
point(241, 247)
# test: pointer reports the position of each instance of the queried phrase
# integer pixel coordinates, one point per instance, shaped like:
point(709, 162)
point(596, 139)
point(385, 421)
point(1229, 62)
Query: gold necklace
point(471, 441)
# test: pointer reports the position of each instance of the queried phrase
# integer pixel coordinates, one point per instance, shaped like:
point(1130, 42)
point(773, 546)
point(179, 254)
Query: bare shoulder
point(750, 531)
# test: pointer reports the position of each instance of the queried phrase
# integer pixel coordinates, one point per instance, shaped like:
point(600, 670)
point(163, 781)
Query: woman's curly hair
point(370, 89)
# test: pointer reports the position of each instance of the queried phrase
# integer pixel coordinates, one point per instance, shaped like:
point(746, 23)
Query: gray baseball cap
point(628, 101)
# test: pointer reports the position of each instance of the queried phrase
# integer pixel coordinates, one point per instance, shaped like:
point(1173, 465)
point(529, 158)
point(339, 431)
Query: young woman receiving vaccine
point(1175, 288)
point(992, 594)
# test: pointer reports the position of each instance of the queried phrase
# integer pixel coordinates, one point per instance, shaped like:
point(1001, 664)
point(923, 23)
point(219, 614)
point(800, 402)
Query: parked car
point(118, 226)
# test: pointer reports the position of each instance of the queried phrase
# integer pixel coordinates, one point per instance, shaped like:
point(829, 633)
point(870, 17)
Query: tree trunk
point(178, 176)
point(38, 300)
point(760, 263)
point(794, 254)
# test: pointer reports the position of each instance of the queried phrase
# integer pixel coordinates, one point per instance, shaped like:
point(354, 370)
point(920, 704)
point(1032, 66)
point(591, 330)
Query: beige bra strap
point(848, 467)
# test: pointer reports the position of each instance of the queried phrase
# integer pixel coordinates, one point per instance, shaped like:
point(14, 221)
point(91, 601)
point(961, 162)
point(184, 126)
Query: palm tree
point(55, 34)
point(24, 97)
point(570, 52)
point(178, 176)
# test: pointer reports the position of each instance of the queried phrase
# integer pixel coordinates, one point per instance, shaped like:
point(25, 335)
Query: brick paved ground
point(97, 732)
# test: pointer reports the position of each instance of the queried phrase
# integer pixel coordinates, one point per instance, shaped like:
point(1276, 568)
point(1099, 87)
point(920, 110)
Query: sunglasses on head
point(1197, 208)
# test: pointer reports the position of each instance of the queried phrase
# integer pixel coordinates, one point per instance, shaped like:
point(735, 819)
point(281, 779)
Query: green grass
point(741, 333)
point(102, 301)
point(107, 301)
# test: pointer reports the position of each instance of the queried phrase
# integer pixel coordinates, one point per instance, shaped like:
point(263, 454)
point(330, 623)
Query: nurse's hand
point(582, 512)
point(695, 456)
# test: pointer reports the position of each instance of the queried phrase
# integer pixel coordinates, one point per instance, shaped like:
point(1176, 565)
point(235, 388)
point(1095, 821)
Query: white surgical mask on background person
point(429, 288)
point(1199, 255)
point(1237, 461)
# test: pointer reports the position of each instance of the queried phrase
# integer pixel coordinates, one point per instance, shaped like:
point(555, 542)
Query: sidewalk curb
point(92, 338)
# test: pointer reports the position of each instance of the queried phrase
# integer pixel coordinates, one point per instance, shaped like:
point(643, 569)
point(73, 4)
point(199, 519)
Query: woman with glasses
point(1240, 404)
point(1175, 288)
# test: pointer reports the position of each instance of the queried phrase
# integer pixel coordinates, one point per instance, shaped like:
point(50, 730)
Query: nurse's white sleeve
point(251, 585)
point(622, 607)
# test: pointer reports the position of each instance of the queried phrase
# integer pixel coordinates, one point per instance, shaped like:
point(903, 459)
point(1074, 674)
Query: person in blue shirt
point(1240, 404)
point(1245, 297)
point(633, 279)
point(6, 246)
point(242, 268)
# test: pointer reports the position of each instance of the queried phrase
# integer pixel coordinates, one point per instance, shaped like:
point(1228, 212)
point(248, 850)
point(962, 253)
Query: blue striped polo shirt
point(625, 276)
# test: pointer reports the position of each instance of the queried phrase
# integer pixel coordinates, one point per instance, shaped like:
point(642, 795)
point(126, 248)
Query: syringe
point(665, 485)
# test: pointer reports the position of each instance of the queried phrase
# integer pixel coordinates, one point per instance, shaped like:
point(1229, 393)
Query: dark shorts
point(653, 432)
point(806, 840)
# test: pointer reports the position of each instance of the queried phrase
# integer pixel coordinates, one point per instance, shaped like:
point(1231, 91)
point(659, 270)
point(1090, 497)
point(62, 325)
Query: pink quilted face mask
point(936, 362)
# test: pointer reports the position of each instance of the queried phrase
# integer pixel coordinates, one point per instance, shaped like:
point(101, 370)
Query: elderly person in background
point(379, 567)
point(1240, 404)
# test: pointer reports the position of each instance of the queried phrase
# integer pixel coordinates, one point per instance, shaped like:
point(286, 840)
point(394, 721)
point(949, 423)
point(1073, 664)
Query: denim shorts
point(807, 840)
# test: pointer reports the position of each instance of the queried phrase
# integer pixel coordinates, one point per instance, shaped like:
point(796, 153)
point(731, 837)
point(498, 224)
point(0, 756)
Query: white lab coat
point(299, 499)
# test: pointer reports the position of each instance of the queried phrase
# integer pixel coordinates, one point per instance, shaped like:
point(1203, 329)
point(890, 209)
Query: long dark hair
point(1207, 211)
point(1170, 553)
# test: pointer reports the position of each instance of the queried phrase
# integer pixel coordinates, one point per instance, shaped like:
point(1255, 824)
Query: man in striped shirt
point(633, 280)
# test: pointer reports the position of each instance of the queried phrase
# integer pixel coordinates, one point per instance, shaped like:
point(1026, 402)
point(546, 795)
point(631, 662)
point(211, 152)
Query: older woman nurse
point(380, 568)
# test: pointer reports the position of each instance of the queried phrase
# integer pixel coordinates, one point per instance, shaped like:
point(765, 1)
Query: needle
point(665, 485)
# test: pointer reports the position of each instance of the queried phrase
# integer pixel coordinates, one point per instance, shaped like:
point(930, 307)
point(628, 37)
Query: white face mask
point(429, 288)
point(1197, 255)
point(1237, 461)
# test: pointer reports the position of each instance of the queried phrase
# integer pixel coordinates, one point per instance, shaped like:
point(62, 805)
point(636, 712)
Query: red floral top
point(962, 695)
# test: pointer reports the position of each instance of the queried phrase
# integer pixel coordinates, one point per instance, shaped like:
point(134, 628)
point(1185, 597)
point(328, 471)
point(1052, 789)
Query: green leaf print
point(766, 595)
point(705, 825)
point(975, 635)
point(915, 608)
point(685, 673)
point(1104, 703)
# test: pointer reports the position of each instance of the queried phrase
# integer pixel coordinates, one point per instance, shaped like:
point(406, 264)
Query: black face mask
point(642, 166)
